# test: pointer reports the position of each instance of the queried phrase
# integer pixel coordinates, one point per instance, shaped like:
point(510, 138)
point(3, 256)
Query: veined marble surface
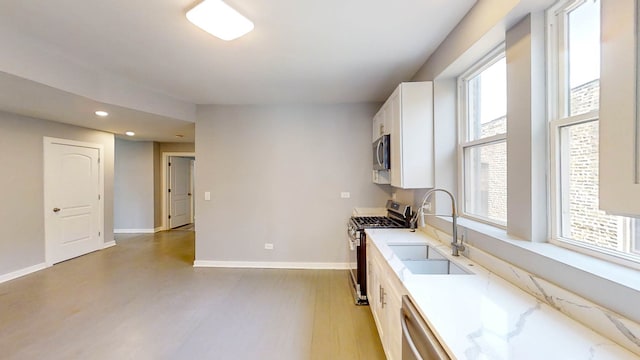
point(483, 316)
point(605, 322)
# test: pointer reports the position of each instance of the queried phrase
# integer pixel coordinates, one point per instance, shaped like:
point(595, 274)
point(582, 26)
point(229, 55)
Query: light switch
point(207, 195)
point(345, 195)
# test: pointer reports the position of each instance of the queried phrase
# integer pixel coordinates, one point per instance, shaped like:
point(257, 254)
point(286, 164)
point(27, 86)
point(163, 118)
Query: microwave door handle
point(380, 145)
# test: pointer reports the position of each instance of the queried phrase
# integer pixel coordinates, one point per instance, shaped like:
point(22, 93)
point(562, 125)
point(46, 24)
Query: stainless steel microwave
point(381, 153)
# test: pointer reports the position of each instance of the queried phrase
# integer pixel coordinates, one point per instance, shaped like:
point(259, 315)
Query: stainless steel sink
point(422, 259)
point(415, 252)
point(434, 267)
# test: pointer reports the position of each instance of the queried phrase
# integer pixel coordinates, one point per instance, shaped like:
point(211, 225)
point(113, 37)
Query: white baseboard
point(22, 272)
point(271, 265)
point(134, 231)
point(109, 244)
point(158, 229)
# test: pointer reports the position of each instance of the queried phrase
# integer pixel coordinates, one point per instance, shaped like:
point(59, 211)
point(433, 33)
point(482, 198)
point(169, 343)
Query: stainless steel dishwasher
point(418, 341)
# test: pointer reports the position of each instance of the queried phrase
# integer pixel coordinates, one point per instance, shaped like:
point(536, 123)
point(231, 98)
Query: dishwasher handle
point(428, 348)
point(409, 340)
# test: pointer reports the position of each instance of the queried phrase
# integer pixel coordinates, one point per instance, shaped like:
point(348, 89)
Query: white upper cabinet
point(619, 185)
point(382, 122)
point(378, 125)
point(410, 115)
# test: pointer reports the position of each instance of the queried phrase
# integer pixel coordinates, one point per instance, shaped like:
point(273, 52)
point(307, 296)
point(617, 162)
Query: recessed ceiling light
point(102, 113)
point(219, 19)
point(129, 133)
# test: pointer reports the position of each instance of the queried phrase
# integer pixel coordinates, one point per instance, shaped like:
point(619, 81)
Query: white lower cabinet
point(385, 300)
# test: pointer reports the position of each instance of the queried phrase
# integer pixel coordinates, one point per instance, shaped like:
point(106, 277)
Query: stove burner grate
point(376, 222)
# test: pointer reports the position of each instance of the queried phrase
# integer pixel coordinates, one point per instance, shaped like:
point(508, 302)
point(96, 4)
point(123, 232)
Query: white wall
point(22, 210)
point(275, 174)
point(133, 186)
point(138, 183)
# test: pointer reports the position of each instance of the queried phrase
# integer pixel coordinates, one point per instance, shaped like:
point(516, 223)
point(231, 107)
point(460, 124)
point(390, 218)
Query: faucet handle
point(457, 247)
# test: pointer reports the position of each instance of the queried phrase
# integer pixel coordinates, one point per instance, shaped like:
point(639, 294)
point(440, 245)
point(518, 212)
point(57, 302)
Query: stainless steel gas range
point(398, 216)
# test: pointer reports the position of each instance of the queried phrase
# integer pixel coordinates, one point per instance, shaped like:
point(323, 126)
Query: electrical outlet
point(427, 207)
point(345, 194)
point(268, 246)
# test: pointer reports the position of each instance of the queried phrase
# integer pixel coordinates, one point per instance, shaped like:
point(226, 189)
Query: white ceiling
point(331, 51)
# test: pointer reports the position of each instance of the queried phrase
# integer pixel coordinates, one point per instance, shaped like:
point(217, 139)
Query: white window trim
point(557, 69)
point(487, 61)
point(558, 83)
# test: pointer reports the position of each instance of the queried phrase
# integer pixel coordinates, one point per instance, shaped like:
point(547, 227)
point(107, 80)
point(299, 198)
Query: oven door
point(353, 240)
point(357, 264)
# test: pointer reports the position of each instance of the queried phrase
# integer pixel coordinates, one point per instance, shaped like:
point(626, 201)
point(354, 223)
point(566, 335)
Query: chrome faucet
point(456, 246)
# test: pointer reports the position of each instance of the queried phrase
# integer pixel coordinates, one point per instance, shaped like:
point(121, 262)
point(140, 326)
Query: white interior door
point(72, 200)
point(179, 191)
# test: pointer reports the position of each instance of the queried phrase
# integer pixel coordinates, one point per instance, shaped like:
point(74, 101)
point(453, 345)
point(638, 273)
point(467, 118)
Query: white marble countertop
point(482, 316)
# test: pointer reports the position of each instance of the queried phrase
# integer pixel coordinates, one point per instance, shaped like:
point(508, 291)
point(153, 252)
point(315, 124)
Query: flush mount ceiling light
point(219, 19)
point(102, 113)
point(129, 133)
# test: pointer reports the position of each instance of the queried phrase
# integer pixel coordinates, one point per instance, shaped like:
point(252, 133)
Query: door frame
point(192, 188)
point(165, 185)
point(47, 143)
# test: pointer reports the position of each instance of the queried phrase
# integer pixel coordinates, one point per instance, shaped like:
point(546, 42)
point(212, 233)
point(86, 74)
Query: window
point(574, 73)
point(483, 146)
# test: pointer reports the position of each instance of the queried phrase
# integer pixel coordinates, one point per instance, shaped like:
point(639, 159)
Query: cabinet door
point(395, 119)
point(393, 308)
point(411, 118)
point(373, 288)
point(377, 304)
point(370, 272)
point(416, 101)
point(385, 302)
point(619, 123)
point(378, 301)
point(378, 124)
point(388, 119)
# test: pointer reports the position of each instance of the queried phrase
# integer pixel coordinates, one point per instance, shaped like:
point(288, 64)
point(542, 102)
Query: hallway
point(142, 299)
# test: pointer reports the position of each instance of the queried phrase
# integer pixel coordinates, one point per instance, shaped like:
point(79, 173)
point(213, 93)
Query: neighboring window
point(483, 146)
point(574, 68)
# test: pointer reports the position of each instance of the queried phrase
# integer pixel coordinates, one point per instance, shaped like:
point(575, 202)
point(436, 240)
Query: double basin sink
point(423, 260)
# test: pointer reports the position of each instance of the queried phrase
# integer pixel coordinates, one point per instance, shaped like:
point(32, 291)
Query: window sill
point(610, 285)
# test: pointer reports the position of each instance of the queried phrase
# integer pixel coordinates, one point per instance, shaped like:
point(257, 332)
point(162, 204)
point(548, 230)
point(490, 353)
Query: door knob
point(56, 209)
point(189, 194)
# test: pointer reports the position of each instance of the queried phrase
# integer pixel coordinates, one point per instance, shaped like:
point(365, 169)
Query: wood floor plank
point(143, 300)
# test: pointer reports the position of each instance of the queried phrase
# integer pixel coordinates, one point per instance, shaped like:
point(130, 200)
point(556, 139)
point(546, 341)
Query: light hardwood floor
point(143, 300)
